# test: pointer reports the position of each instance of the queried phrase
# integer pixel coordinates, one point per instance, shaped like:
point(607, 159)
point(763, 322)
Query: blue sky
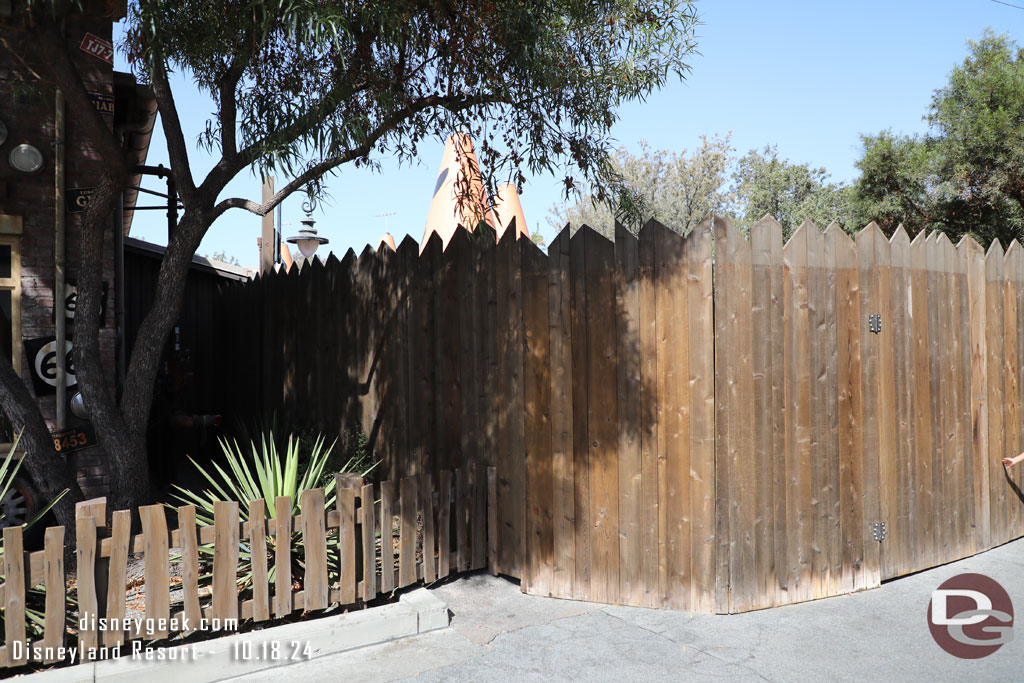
point(807, 76)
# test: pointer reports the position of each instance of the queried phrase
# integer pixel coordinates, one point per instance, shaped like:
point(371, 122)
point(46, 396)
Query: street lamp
point(307, 239)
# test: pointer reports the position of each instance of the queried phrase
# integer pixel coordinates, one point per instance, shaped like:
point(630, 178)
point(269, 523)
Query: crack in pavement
point(709, 653)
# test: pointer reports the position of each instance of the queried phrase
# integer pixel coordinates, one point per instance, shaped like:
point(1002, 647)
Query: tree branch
point(23, 412)
point(452, 103)
point(177, 150)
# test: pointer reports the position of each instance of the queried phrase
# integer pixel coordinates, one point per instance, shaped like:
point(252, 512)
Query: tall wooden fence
point(376, 539)
point(673, 427)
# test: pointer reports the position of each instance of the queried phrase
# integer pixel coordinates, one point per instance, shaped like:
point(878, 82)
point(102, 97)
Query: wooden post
point(347, 486)
point(14, 593)
point(97, 509)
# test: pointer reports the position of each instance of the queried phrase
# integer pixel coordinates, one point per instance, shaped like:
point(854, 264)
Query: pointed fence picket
point(706, 421)
point(345, 561)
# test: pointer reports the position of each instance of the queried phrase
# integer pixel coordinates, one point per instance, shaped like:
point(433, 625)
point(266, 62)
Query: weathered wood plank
point(314, 540)
point(580, 414)
point(478, 533)
point(831, 485)
point(225, 560)
point(387, 532)
point(282, 556)
point(923, 510)
point(14, 593)
point(560, 339)
point(492, 519)
point(120, 537)
point(742, 509)
point(156, 569)
point(512, 440)
point(426, 504)
point(650, 461)
point(444, 544)
point(257, 535)
point(462, 551)
point(764, 235)
point(887, 455)
point(53, 627)
point(951, 310)
point(950, 536)
point(628, 410)
point(674, 419)
point(1017, 474)
point(903, 537)
point(996, 395)
point(701, 477)
point(935, 325)
point(367, 520)
point(448, 328)
point(1011, 379)
point(868, 249)
point(849, 321)
point(85, 567)
point(797, 419)
point(408, 500)
point(965, 468)
point(537, 386)
point(602, 431)
point(345, 503)
point(817, 469)
point(184, 537)
point(723, 365)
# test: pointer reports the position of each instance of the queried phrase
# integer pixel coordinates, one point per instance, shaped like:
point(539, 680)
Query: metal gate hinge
point(878, 531)
point(875, 322)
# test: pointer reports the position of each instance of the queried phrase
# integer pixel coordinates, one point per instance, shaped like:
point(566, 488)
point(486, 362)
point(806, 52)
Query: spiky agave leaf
point(262, 472)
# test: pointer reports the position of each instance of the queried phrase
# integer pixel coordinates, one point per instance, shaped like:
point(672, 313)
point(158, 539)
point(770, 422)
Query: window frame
point(13, 284)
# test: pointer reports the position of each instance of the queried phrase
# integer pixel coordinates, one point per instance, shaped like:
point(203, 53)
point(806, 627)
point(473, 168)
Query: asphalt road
point(499, 634)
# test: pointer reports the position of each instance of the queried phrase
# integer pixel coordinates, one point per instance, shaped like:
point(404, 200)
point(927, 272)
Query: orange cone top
point(459, 196)
point(508, 211)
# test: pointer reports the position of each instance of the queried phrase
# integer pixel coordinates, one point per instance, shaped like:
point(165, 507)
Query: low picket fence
point(442, 526)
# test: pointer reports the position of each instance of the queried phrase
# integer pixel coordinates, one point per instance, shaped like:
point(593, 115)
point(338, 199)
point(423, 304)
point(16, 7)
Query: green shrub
point(265, 472)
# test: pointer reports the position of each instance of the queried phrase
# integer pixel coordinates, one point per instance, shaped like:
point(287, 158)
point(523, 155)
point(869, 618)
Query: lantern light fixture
point(307, 239)
point(25, 158)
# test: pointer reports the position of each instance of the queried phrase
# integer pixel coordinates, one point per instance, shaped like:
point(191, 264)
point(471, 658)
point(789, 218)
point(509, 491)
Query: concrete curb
point(214, 660)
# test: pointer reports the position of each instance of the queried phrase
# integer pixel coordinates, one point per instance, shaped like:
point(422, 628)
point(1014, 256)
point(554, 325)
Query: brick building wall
point(28, 109)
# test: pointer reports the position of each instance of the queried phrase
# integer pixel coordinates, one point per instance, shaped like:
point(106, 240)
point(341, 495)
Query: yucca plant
point(35, 599)
point(262, 472)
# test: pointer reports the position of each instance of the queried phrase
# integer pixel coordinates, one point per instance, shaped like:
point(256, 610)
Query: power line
point(1000, 2)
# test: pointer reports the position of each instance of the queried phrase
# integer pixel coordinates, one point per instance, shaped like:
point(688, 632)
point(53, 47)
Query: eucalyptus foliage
point(306, 82)
point(303, 87)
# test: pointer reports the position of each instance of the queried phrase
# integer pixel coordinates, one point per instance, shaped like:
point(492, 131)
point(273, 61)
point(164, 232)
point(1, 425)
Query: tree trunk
point(49, 471)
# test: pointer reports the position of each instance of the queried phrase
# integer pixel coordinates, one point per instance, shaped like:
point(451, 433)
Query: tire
point(18, 506)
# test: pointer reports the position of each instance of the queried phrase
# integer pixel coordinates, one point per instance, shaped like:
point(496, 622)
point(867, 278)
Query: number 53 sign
point(74, 439)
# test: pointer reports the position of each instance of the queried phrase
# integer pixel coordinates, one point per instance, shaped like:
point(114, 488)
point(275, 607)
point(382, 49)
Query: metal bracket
point(875, 322)
point(878, 531)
